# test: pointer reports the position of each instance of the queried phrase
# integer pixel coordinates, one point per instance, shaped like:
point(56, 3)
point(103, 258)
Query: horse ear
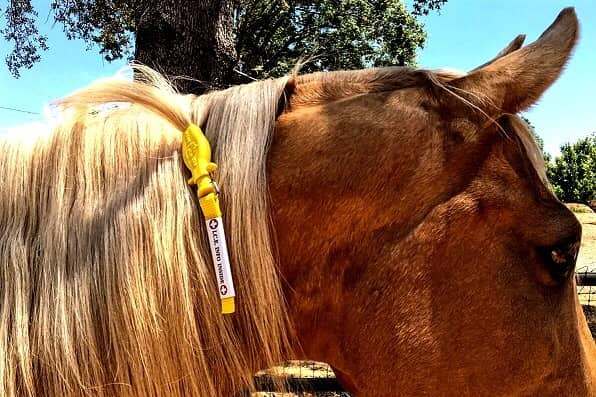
point(512, 82)
point(513, 46)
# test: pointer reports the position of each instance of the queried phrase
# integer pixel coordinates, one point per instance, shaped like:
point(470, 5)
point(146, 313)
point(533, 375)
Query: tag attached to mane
point(196, 152)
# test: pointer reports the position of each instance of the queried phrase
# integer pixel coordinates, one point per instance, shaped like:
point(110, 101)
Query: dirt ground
point(587, 253)
point(586, 262)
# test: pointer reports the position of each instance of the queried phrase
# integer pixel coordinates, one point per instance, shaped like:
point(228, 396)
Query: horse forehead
point(320, 87)
point(407, 86)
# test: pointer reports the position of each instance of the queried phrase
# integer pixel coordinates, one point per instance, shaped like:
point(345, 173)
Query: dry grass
point(300, 369)
point(309, 370)
point(579, 208)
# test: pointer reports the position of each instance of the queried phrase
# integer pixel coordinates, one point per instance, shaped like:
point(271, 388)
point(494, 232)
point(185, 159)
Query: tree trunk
point(188, 38)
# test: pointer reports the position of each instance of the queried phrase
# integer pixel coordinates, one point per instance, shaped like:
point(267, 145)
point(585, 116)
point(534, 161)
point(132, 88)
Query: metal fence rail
point(586, 278)
point(586, 285)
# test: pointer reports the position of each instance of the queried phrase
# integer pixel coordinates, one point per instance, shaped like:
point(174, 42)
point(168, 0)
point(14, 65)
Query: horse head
point(423, 248)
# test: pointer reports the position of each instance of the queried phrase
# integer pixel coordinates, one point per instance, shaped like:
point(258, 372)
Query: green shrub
point(573, 173)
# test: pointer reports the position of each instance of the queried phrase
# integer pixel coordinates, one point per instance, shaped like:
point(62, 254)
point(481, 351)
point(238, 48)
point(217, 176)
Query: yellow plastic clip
point(196, 153)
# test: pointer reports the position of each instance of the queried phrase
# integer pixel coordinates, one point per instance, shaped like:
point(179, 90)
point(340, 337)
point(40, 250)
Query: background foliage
point(573, 173)
point(270, 35)
point(340, 34)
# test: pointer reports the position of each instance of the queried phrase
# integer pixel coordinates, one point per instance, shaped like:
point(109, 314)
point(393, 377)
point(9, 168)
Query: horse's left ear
point(514, 81)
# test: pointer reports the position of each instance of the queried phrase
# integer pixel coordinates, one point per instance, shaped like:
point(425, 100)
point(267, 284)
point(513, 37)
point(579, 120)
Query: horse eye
point(561, 258)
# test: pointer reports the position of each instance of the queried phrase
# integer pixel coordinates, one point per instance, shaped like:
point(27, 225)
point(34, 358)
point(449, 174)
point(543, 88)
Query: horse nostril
point(561, 259)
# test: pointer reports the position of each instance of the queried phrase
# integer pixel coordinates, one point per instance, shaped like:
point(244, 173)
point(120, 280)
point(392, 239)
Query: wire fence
point(586, 285)
point(315, 379)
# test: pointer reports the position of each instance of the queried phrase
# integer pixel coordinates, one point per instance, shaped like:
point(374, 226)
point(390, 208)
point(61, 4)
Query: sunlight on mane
point(111, 236)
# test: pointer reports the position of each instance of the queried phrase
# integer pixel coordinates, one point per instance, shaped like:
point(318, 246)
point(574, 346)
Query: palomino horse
point(394, 223)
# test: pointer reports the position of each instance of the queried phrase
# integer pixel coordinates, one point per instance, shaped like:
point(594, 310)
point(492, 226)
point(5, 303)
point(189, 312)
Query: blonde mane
point(105, 275)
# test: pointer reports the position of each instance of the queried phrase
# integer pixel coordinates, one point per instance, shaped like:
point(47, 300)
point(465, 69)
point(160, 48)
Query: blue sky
point(465, 34)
